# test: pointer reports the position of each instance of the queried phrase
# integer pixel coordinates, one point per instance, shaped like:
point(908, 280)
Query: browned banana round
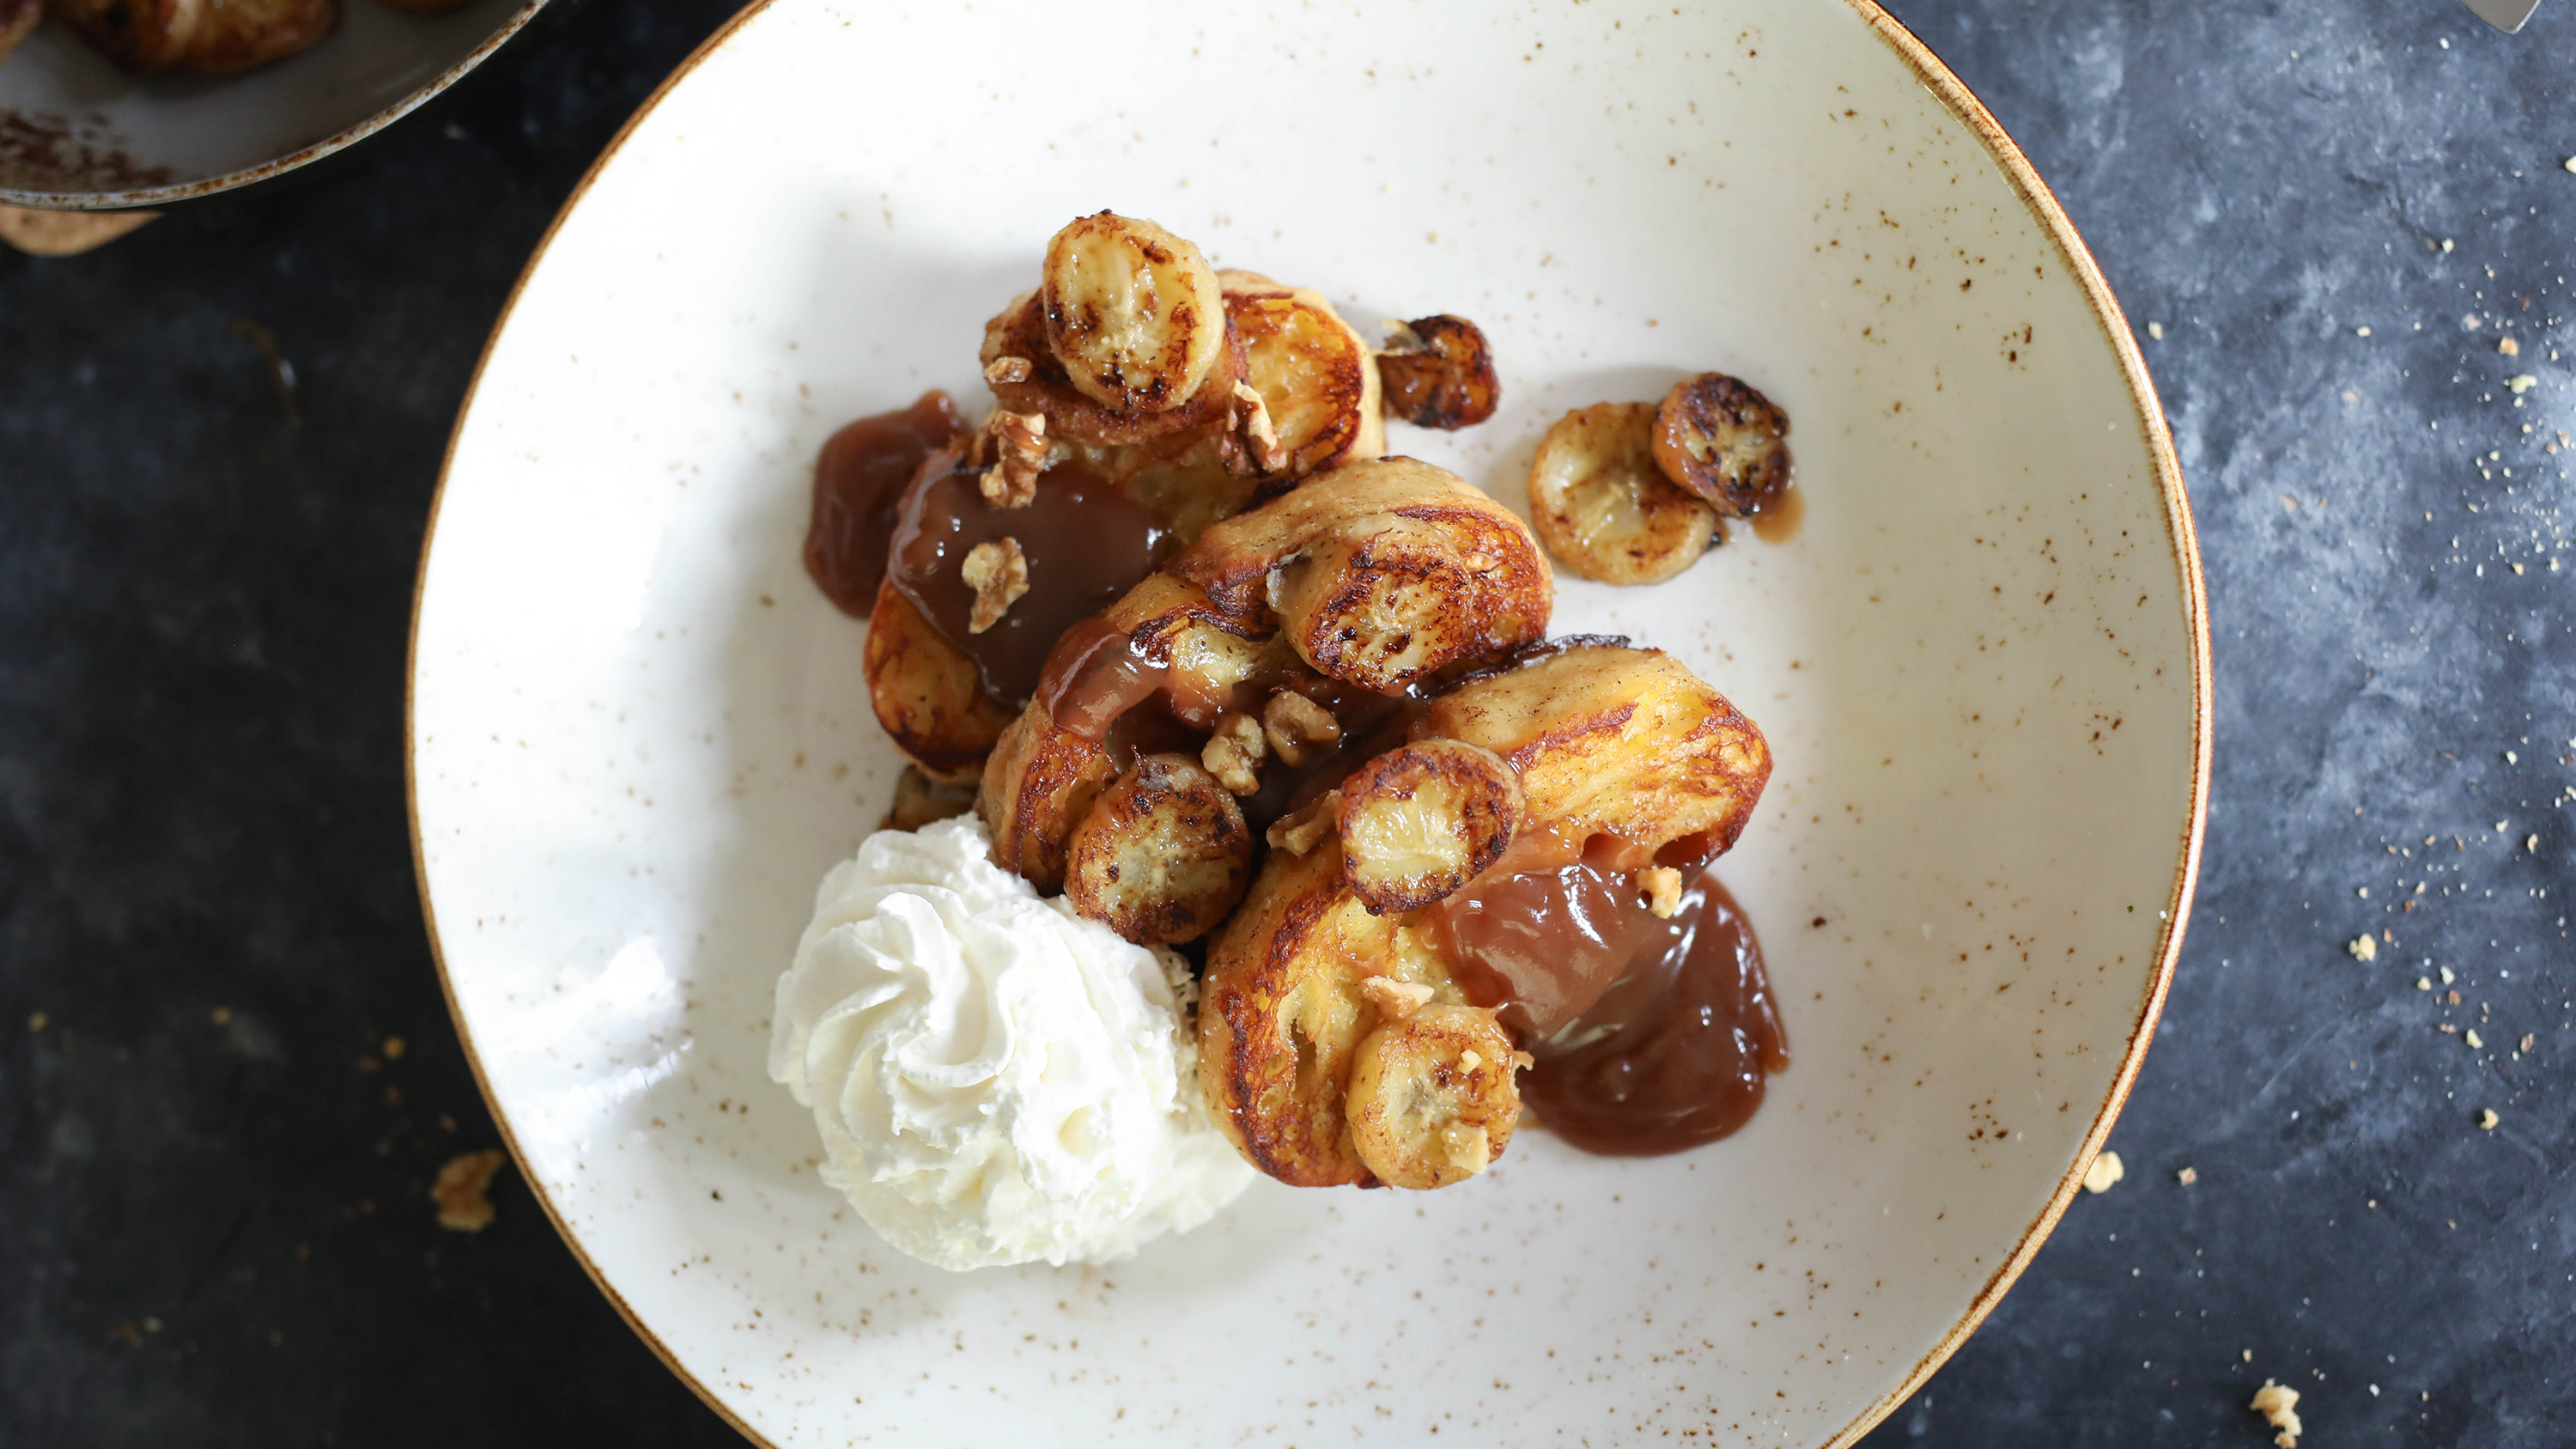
point(1604, 509)
point(1020, 367)
point(1438, 372)
point(1419, 820)
point(1432, 1100)
point(1163, 854)
point(1725, 442)
point(1310, 371)
point(1132, 312)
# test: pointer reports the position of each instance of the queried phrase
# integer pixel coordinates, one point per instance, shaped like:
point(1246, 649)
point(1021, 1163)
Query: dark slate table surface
point(213, 1161)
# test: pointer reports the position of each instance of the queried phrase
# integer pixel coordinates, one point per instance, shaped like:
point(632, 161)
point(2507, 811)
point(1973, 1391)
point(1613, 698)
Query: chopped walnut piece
point(1393, 998)
point(1663, 888)
point(999, 574)
point(1004, 371)
point(1019, 456)
point(2279, 1407)
point(2363, 947)
point(1234, 753)
point(1251, 442)
point(1297, 727)
point(463, 1190)
point(2104, 1170)
point(2187, 1176)
point(1297, 834)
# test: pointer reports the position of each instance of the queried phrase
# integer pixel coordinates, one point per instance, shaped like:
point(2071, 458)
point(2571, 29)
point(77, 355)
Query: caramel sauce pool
point(1779, 519)
point(858, 485)
point(1649, 1035)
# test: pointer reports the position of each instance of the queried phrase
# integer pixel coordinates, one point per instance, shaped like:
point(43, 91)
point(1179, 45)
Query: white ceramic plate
point(639, 735)
point(76, 132)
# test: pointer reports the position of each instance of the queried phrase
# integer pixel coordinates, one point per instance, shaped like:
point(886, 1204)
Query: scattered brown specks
point(463, 1190)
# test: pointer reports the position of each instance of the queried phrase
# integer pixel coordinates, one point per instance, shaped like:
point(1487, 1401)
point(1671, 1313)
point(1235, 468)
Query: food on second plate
point(17, 21)
point(1214, 670)
point(1634, 493)
point(217, 37)
point(995, 1079)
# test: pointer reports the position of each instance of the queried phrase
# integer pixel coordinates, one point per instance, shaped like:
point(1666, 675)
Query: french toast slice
point(1604, 739)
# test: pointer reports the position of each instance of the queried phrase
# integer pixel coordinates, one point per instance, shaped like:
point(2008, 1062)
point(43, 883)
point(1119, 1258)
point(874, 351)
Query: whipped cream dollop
point(996, 1079)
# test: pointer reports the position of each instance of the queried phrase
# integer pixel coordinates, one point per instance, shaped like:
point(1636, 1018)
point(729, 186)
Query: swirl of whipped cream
point(996, 1079)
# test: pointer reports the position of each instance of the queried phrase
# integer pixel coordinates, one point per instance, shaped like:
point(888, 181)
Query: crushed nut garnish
point(2103, 1172)
point(1468, 1061)
point(2447, 977)
point(1467, 1148)
point(2487, 1119)
point(1297, 727)
point(2187, 1176)
point(1019, 456)
point(1393, 998)
point(463, 1190)
point(1663, 887)
point(1297, 834)
point(999, 574)
point(1253, 440)
point(1234, 752)
point(1002, 371)
point(2363, 948)
point(2280, 1408)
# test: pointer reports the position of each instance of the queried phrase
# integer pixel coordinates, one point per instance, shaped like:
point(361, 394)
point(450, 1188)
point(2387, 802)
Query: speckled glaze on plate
point(639, 735)
point(76, 133)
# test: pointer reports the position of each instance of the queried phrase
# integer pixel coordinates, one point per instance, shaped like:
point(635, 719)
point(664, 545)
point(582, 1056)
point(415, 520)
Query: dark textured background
point(212, 1161)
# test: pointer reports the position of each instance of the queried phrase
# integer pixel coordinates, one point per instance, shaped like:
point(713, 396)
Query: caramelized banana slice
point(1380, 572)
point(1020, 367)
point(1612, 739)
point(1432, 1100)
point(1603, 508)
point(1418, 821)
point(1311, 371)
point(1438, 372)
point(1283, 1009)
point(239, 34)
point(1162, 855)
point(928, 696)
point(1039, 784)
point(1724, 442)
point(1132, 312)
point(140, 35)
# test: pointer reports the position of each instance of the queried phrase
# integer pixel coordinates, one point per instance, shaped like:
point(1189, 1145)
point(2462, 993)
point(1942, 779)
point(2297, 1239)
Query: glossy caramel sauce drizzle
point(1649, 1035)
point(858, 485)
